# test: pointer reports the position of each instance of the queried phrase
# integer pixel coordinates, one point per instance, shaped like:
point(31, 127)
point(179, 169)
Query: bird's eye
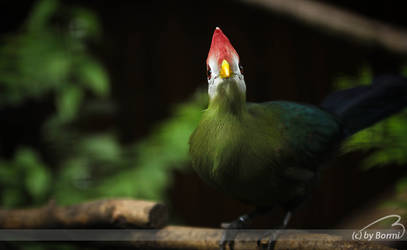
point(208, 72)
point(241, 68)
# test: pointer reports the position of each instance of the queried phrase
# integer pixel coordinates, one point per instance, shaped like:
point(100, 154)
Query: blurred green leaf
point(364, 77)
point(8, 173)
point(402, 185)
point(37, 178)
point(24, 174)
point(71, 182)
point(101, 148)
point(94, 77)
point(11, 198)
point(41, 13)
point(68, 102)
point(84, 23)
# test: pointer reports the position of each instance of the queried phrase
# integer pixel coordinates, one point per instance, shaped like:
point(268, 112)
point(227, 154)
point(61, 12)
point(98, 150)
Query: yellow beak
point(225, 69)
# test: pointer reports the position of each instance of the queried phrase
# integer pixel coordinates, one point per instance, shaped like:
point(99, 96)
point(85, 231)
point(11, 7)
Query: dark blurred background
point(98, 98)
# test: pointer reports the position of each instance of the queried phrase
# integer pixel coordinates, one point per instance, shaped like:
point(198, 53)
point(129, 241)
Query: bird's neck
point(228, 100)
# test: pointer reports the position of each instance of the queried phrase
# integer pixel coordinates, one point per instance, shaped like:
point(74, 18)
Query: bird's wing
point(306, 131)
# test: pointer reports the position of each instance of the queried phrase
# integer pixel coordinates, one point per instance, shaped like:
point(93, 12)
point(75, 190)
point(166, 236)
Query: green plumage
point(265, 154)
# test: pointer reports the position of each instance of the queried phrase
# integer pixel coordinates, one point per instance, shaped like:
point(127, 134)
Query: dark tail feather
point(361, 107)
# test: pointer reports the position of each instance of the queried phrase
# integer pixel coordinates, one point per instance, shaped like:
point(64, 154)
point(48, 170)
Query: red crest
point(221, 48)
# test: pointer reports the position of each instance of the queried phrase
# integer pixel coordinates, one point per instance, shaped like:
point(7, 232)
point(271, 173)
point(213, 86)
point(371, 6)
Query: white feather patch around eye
point(216, 81)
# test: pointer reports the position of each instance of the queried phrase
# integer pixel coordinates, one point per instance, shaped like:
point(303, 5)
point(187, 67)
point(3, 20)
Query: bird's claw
point(229, 235)
point(223, 243)
point(228, 238)
point(268, 240)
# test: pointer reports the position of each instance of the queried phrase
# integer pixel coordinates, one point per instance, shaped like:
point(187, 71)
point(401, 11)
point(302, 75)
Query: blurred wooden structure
point(126, 213)
point(111, 213)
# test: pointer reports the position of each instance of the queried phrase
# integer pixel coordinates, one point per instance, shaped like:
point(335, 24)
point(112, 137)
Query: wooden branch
point(339, 20)
point(114, 213)
point(179, 237)
point(127, 214)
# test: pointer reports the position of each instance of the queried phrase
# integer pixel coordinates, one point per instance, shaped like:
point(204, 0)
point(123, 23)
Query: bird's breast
point(234, 157)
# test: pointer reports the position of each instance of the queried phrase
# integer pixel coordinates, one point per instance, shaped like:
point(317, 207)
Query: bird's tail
point(362, 106)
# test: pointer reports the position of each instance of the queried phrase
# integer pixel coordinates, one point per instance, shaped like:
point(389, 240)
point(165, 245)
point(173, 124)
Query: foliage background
point(50, 60)
point(386, 141)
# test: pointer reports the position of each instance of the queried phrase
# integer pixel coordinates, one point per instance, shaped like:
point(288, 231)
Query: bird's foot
point(272, 235)
point(229, 235)
point(268, 240)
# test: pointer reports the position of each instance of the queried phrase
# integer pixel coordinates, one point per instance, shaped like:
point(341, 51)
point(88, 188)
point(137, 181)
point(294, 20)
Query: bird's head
point(223, 66)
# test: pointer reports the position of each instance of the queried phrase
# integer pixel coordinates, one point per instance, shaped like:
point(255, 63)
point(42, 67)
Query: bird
point(270, 154)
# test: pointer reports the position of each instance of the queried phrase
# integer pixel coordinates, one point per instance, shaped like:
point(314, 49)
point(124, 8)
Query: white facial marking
point(215, 79)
